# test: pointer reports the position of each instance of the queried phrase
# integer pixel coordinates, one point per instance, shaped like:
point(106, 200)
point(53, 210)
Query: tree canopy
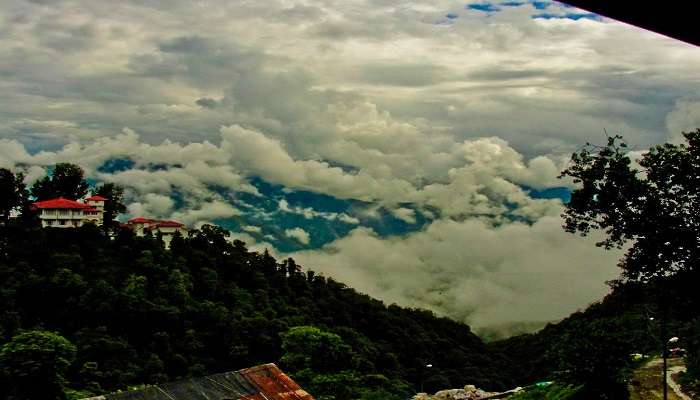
point(67, 180)
point(13, 192)
point(138, 313)
point(114, 205)
point(653, 206)
point(33, 364)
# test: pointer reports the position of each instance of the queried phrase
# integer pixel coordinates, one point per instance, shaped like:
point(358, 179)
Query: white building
point(65, 213)
point(167, 229)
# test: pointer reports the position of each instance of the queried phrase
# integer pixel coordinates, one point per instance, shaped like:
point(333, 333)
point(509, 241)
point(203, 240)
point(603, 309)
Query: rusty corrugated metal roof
point(264, 382)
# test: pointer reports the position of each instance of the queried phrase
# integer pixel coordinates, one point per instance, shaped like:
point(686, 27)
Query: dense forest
point(125, 311)
point(108, 314)
point(592, 348)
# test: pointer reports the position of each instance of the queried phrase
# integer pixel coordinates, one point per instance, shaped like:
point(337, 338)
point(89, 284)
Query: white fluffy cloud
point(206, 212)
point(486, 174)
point(298, 234)
point(473, 271)
point(251, 229)
point(405, 214)
point(685, 117)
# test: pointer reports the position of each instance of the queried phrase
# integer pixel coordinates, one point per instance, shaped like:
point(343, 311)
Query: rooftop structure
point(264, 382)
point(66, 213)
point(166, 228)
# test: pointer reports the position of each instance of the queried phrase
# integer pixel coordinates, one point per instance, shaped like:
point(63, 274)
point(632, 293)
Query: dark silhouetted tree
point(114, 205)
point(13, 192)
point(33, 365)
point(67, 180)
point(656, 207)
point(653, 206)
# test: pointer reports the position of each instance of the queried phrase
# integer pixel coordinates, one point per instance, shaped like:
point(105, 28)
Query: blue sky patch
point(561, 193)
point(485, 7)
point(572, 16)
point(540, 5)
point(116, 165)
point(324, 218)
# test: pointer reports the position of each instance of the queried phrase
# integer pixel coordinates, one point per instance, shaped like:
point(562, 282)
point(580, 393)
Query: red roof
point(155, 223)
point(168, 224)
point(264, 382)
point(96, 198)
point(62, 204)
point(140, 220)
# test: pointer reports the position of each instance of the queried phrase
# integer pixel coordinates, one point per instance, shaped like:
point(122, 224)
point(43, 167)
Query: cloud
point(207, 212)
point(251, 229)
point(372, 102)
point(298, 234)
point(153, 205)
point(685, 117)
point(473, 271)
point(310, 213)
point(255, 153)
point(405, 214)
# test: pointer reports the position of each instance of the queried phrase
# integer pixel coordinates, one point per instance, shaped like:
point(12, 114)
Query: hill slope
point(137, 313)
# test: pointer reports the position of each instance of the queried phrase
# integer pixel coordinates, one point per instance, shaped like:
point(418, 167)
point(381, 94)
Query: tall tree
point(67, 180)
point(114, 205)
point(13, 192)
point(654, 206)
point(33, 365)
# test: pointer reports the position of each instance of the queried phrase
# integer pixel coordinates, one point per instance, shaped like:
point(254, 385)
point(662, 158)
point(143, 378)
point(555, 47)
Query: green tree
point(67, 180)
point(656, 207)
point(692, 342)
point(13, 192)
point(114, 205)
point(309, 347)
point(594, 355)
point(653, 206)
point(33, 364)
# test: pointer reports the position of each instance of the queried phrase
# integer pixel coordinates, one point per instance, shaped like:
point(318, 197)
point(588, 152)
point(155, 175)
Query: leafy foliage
point(594, 355)
point(66, 180)
point(592, 348)
point(550, 392)
point(13, 192)
point(33, 365)
point(114, 205)
point(138, 313)
point(331, 369)
point(656, 208)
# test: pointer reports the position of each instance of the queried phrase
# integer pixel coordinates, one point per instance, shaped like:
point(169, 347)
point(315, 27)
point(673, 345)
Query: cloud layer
point(473, 271)
point(401, 148)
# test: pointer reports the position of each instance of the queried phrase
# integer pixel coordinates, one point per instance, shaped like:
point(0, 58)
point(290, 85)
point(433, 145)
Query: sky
point(408, 149)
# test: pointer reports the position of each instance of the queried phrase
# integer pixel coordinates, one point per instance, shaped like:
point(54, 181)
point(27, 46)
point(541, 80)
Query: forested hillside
point(593, 347)
point(92, 314)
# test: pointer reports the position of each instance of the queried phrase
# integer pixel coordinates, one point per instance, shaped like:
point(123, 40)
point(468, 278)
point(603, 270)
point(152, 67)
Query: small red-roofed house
point(96, 201)
point(166, 229)
point(66, 213)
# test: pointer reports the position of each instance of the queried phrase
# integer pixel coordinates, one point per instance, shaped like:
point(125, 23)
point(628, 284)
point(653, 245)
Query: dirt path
point(646, 382)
